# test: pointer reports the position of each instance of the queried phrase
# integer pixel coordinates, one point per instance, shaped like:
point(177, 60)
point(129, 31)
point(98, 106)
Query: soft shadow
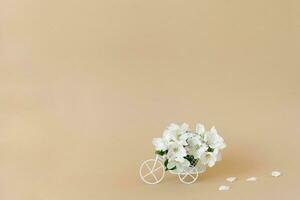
point(239, 165)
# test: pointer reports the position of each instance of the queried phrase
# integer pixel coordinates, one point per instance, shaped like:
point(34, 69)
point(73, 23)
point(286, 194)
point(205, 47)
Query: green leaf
point(210, 149)
point(166, 165)
point(192, 160)
point(161, 153)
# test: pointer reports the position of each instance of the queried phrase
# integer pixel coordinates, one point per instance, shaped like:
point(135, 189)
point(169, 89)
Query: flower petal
point(200, 129)
point(224, 188)
point(184, 127)
point(159, 144)
point(253, 178)
point(275, 173)
point(231, 179)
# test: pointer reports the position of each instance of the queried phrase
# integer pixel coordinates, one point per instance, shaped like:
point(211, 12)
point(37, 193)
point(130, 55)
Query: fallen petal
point(253, 178)
point(231, 179)
point(276, 173)
point(224, 188)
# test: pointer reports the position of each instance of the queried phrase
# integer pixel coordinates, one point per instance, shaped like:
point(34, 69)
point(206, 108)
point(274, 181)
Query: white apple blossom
point(176, 151)
point(210, 158)
point(160, 144)
point(196, 146)
point(179, 166)
point(176, 133)
point(214, 140)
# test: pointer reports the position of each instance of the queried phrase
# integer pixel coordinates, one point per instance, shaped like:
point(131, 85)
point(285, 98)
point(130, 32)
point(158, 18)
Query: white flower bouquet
point(180, 148)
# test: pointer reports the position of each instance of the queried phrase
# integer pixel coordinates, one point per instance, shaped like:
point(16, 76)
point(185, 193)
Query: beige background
point(86, 85)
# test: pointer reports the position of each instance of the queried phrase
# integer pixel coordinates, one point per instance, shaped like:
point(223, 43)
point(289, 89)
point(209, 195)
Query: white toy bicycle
point(152, 171)
point(183, 153)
